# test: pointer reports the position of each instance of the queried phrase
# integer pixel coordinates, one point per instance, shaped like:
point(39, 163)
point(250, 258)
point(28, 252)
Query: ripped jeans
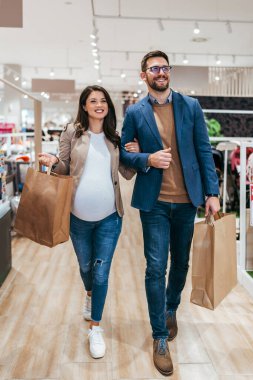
point(94, 244)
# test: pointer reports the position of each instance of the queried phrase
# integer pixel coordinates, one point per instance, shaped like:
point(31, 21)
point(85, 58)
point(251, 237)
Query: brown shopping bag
point(214, 267)
point(44, 209)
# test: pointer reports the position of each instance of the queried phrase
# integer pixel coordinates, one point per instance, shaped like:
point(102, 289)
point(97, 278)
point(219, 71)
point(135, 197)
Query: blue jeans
point(94, 244)
point(167, 226)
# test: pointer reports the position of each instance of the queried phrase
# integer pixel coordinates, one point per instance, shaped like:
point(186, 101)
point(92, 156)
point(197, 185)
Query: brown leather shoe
point(171, 324)
point(161, 357)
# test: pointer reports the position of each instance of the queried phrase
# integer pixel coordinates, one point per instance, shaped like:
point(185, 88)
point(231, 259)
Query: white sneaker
point(97, 343)
point(87, 308)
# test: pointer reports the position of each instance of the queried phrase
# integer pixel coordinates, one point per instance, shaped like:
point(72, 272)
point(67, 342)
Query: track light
point(217, 60)
point(52, 73)
point(160, 24)
point(229, 27)
point(185, 60)
point(196, 29)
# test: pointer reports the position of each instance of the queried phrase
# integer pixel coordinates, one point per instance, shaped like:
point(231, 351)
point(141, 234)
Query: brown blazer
point(72, 157)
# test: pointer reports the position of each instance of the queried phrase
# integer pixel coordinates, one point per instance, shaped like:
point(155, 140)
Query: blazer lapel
point(148, 113)
point(85, 145)
point(113, 153)
point(178, 109)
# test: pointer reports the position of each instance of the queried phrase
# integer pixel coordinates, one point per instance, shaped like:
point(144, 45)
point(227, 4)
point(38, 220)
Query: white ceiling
point(56, 34)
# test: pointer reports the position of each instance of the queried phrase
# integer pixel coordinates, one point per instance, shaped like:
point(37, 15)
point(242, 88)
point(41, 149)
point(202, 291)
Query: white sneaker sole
point(97, 356)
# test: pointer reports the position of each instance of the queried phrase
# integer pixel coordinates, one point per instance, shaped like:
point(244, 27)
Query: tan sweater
point(173, 187)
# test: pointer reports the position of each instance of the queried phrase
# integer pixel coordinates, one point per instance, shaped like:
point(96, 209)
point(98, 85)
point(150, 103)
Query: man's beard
point(155, 87)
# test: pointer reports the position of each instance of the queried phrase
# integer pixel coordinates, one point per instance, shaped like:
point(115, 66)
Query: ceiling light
point(140, 82)
point(217, 60)
point(192, 92)
point(135, 95)
point(52, 73)
point(99, 80)
point(97, 61)
point(139, 91)
point(93, 44)
point(196, 29)
point(185, 60)
point(25, 96)
point(95, 54)
point(24, 83)
point(96, 67)
point(217, 78)
point(16, 78)
point(160, 24)
point(123, 75)
point(229, 27)
point(42, 93)
point(93, 36)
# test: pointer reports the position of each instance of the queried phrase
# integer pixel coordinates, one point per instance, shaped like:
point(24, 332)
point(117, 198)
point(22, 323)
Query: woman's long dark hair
point(110, 122)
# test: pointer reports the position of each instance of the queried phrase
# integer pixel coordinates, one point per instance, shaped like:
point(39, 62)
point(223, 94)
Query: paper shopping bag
point(44, 209)
point(214, 267)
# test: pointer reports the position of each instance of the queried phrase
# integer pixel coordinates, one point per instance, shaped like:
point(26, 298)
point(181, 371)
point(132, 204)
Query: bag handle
point(210, 218)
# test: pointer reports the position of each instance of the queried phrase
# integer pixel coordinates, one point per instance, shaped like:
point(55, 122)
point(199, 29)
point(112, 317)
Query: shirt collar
point(155, 101)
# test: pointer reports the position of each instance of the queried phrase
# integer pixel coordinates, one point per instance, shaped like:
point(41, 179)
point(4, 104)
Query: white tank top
point(95, 198)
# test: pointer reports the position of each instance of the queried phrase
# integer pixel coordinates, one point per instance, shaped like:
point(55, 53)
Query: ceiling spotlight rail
point(183, 19)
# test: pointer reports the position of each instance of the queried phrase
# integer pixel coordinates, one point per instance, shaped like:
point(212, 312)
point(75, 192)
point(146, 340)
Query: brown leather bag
point(44, 209)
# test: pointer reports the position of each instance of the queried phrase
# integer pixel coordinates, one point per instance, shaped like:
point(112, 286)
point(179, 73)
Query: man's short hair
point(151, 54)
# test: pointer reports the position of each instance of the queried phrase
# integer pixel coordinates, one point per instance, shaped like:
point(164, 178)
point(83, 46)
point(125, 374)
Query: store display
point(5, 240)
point(3, 172)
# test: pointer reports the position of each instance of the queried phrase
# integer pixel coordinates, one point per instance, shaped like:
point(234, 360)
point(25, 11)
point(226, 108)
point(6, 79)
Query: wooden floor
point(43, 334)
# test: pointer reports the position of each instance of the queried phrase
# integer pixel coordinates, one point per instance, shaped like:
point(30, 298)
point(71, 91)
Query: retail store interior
point(52, 50)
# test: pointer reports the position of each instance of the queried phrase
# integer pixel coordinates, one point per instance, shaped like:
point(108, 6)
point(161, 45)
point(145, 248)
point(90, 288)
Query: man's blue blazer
point(193, 146)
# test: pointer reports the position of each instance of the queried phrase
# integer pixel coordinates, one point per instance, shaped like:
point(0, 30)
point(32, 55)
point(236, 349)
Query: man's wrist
point(149, 160)
point(212, 195)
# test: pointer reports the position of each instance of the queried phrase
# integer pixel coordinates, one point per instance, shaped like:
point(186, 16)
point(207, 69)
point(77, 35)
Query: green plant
point(214, 127)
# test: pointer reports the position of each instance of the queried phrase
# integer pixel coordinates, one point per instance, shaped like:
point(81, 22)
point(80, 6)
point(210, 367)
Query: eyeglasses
point(157, 69)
